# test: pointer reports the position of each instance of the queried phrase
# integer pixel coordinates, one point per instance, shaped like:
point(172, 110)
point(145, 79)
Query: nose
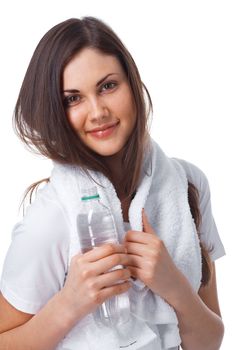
point(97, 109)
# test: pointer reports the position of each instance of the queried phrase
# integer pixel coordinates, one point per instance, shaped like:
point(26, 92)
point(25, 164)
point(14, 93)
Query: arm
point(42, 331)
point(199, 320)
point(87, 286)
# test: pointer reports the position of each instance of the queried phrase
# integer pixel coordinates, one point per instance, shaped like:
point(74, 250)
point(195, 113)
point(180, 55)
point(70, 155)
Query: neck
point(117, 175)
point(114, 164)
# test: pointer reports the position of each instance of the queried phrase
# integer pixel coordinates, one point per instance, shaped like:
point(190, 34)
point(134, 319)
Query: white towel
point(163, 192)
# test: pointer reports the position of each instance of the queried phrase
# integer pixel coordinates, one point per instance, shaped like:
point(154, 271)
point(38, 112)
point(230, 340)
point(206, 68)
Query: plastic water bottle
point(96, 226)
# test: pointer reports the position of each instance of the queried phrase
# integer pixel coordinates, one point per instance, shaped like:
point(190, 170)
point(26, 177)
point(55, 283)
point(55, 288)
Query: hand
point(150, 262)
point(89, 282)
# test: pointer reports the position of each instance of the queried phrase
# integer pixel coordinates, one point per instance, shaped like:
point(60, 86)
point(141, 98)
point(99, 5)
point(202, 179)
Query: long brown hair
point(193, 199)
point(40, 117)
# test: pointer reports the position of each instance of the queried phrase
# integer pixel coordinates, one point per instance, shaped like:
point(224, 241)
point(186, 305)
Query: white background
point(184, 52)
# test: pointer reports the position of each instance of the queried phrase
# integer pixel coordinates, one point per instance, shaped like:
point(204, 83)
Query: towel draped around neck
point(163, 193)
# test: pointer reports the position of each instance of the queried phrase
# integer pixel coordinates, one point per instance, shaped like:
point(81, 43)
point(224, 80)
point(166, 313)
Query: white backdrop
point(184, 52)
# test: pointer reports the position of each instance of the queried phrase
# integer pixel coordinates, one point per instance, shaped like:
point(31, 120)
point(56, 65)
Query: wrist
point(182, 294)
point(65, 311)
point(50, 325)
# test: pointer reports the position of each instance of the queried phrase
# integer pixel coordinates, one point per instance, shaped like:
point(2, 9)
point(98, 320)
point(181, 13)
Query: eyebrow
point(97, 84)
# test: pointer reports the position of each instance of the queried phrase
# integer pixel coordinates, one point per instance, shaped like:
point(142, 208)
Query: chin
point(106, 153)
point(106, 149)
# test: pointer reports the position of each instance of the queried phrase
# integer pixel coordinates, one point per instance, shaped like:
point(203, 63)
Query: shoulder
point(195, 175)
point(208, 231)
point(37, 259)
point(44, 221)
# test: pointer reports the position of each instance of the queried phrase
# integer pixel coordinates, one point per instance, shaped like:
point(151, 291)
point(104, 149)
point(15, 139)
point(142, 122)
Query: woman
point(82, 104)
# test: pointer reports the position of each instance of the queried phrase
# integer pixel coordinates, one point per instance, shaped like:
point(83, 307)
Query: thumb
point(145, 223)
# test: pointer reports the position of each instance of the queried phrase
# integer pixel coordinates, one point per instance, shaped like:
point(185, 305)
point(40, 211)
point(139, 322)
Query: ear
point(146, 225)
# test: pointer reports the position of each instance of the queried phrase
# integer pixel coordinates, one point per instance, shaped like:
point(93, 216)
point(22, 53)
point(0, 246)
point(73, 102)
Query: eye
point(108, 86)
point(71, 100)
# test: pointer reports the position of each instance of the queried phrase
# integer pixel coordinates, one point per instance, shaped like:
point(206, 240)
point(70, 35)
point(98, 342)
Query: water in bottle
point(96, 226)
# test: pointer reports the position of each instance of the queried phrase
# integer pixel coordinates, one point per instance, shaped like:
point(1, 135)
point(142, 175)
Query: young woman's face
point(98, 101)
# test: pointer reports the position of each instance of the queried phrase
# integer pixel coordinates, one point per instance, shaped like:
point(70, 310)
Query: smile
point(104, 132)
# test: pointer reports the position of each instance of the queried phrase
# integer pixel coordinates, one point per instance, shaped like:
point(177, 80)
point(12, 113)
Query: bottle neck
point(87, 198)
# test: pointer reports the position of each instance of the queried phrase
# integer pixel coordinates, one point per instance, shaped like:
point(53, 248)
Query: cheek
point(129, 110)
point(75, 118)
point(125, 105)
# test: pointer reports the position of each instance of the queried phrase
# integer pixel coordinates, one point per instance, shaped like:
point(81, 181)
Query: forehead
point(89, 65)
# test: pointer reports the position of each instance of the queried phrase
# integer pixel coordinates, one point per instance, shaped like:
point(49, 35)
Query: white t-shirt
point(37, 260)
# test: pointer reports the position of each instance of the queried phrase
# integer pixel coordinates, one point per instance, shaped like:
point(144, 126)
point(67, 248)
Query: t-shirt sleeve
point(36, 261)
point(209, 234)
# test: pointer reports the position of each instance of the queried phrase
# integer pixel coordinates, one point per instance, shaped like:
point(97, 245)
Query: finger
point(103, 251)
point(138, 236)
point(136, 272)
point(146, 225)
point(111, 278)
point(137, 262)
point(138, 249)
point(103, 265)
point(120, 288)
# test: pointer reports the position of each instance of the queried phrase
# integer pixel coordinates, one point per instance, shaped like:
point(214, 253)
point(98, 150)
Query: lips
point(104, 131)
